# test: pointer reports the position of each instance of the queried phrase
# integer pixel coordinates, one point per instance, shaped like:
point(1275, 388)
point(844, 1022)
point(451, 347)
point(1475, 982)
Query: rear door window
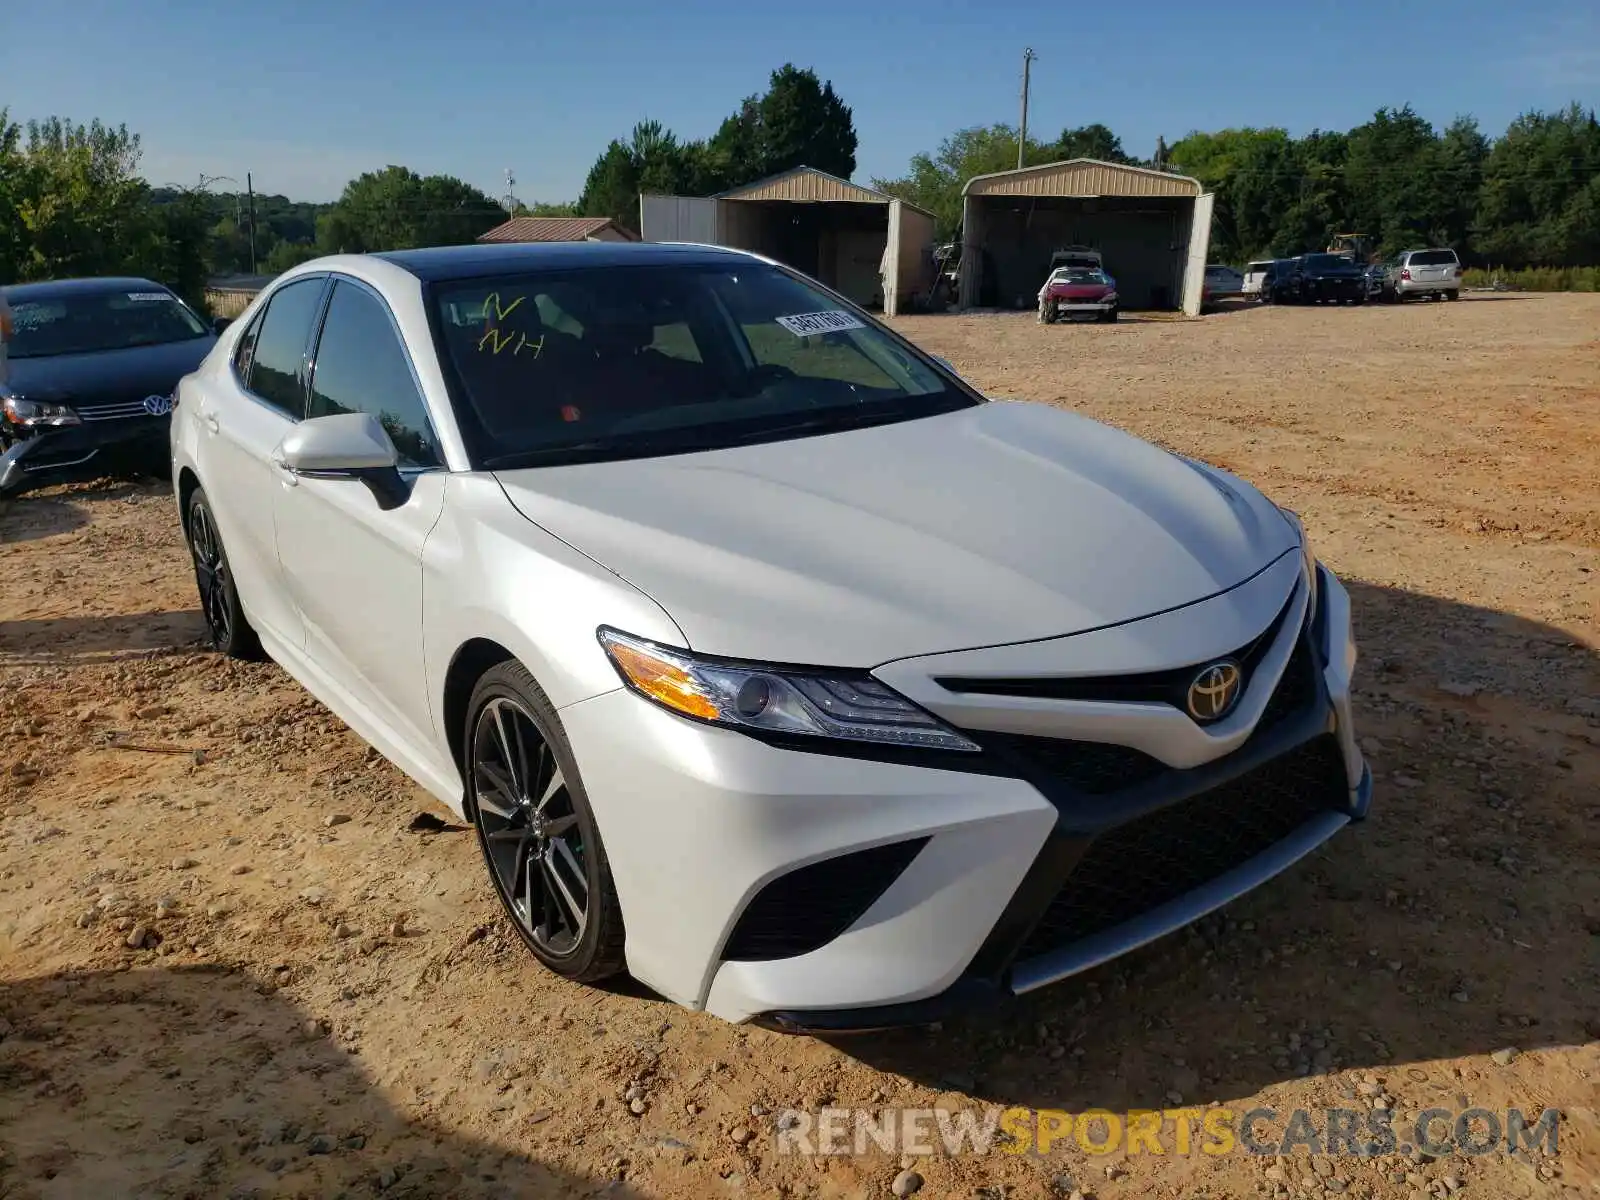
point(277, 366)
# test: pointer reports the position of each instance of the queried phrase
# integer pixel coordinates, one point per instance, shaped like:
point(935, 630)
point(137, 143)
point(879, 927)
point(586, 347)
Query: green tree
point(1540, 199)
point(612, 187)
point(1249, 171)
point(799, 121)
point(13, 233)
point(935, 180)
point(803, 123)
point(1394, 171)
point(397, 209)
point(1090, 141)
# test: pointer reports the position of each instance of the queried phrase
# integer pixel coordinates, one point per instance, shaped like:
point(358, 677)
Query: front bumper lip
point(74, 451)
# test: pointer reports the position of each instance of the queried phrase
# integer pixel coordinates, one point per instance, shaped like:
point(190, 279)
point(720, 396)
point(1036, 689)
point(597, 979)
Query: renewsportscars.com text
point(1360, 1133)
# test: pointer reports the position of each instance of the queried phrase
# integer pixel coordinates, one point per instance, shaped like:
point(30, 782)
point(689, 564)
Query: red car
point(1078, 293)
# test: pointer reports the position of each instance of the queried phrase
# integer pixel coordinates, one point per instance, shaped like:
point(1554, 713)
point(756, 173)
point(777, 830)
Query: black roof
point(50, 289)
point(463, 262)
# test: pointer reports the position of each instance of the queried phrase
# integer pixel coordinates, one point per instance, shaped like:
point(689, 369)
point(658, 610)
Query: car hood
point(1004, 522)
point(107, 375)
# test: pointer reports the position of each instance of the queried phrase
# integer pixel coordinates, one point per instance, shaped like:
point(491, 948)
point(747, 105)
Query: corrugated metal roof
point(805, 183)
point(1082, 177)
point(550, 229)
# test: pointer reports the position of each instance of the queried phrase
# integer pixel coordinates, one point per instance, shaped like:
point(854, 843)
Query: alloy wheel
point(530, 829)
point(211, 574)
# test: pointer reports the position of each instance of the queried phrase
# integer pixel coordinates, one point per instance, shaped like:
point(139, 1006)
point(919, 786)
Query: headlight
point(1109, 298)
point(780, 700)
point(35, 414)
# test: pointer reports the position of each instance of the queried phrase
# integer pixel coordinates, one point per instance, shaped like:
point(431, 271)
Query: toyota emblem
point(1215, 691)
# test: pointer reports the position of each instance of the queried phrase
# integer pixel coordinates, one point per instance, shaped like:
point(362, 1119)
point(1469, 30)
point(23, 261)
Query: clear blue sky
point(308, 94)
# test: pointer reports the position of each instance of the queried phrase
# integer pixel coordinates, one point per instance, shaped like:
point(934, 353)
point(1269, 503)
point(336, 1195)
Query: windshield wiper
point(595, 449)
point(832, 420)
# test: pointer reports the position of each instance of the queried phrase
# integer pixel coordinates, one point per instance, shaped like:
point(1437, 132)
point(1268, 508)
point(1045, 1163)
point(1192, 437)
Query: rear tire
point(536, 829)
point(226, 626)
point(1452, 295)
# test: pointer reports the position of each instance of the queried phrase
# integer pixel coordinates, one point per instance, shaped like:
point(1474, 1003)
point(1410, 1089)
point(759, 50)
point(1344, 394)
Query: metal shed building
point(1152, 229)
point(869, 246)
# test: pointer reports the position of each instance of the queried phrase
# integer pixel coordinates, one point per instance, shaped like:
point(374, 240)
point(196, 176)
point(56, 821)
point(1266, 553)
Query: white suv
point(1428, 273)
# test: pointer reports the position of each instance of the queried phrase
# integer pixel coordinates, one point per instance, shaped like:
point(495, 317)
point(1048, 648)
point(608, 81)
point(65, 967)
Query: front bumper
point(1335, 289)
point(948, 886)
point(1082, 308)
point(95, 448)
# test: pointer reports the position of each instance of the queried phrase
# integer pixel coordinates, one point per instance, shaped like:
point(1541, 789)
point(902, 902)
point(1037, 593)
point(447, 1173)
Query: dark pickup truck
point(1315, 279)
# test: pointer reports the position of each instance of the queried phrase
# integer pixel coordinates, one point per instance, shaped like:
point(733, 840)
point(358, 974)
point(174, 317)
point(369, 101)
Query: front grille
point(117, 411)
point(1134, 868)
point(1100, 768)
point(1295, 691)
point(1165, 687)
point(809, 907)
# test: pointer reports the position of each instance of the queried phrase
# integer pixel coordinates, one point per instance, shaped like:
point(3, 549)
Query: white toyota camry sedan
point(770, 661)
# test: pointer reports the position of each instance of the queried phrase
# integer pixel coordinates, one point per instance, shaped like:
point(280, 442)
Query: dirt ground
point(229, 966)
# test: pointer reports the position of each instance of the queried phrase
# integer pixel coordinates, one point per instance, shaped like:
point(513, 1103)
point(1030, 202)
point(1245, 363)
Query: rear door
point(352, 569)
point(242, 421)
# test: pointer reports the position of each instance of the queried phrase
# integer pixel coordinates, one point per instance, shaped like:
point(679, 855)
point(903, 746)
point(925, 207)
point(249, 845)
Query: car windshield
point(88, 322)
point(1326, 262)
point(1091, 275)
point(623, 362)
point(1433, 258)
point(1257, 267)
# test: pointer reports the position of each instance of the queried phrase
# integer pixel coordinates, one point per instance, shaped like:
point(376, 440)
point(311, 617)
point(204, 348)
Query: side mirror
point(350, 446)
point(218, 324)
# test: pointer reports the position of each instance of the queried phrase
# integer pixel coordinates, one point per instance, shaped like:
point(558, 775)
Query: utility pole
point(1022, 133)
point(250, 190)
point(509, 200)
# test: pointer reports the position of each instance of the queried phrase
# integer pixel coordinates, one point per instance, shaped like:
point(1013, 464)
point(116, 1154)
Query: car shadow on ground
point(99, 638)
point(202, 1082)
point(29, 518)
point(1468, 904)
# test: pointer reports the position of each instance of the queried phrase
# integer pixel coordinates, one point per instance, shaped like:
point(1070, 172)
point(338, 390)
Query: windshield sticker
point(147, 296)
point(810, 324)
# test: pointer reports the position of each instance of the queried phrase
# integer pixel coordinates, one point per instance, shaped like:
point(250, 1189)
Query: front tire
point(536, 829)
point(228, 630)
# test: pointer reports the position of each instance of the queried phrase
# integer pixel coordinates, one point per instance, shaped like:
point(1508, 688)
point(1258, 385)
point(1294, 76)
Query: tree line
point(72, 201)
point(1530, 197)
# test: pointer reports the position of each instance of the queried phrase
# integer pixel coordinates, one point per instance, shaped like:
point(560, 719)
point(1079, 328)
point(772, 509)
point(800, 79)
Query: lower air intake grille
point(809, 907)
point(1142, 865)
point(1092, 767)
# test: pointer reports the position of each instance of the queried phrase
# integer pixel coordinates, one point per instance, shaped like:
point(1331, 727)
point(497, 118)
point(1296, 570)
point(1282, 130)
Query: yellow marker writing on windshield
point(495, 341)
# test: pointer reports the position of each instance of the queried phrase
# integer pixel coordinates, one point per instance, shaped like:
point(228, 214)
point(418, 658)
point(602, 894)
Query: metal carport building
point(1152, 228)
point(869, 246)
